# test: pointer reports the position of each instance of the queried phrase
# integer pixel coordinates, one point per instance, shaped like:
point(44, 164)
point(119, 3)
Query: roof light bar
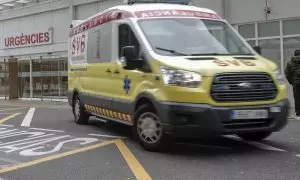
point(183, 2)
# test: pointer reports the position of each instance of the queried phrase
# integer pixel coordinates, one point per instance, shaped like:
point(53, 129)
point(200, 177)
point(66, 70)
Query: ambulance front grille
point(238, 87)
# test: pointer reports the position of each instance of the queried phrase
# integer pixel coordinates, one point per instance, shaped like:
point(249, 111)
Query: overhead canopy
point(10, 4)
point(186, 2)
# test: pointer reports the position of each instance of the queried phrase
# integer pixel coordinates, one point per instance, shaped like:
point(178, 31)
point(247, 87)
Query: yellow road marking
point(57, 156)
point(137, 169)
point(11, 109)
point(9, 117)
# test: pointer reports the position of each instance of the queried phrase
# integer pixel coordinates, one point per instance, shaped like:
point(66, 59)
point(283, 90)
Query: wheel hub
point(149, 128)
point(77, 109)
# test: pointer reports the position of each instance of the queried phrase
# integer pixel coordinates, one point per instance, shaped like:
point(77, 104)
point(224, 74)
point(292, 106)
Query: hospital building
point(34, 38)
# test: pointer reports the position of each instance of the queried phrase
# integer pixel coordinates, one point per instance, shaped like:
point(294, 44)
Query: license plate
point(249, 114)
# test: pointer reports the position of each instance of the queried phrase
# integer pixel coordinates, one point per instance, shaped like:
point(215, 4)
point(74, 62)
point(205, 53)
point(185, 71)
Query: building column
point(31, 79)
point(225, 9)
point(71, 11)
point(13, 81)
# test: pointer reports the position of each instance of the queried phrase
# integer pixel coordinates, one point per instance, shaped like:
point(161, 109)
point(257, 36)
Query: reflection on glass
point(289, 46)
point(3, 79)
point(49, 78)
point(54, 78)
point(36, 78)
point(24, 78)
point(251, 43)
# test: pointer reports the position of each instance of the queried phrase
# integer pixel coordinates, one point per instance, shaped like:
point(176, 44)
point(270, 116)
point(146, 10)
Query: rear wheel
point(255, 136)
point(148, 129)
point(80, 116)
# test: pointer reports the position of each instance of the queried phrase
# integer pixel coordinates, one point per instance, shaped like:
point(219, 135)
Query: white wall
point(241, 11)
point(86, 10)
point(37, 23)
point(215, 5)
point(41, 16)
point(56, 13)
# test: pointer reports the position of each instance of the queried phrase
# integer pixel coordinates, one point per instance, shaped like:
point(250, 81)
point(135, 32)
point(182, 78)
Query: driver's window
point(127, 38)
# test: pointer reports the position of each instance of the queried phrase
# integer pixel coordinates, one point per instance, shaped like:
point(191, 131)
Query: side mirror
point(129, 53)
point(297, 53)
point(130, 58)
point(257, 49)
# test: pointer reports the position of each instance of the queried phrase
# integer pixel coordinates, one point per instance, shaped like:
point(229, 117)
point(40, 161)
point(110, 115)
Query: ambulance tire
point(255, 136)
point(80, 115)
point(161, 143)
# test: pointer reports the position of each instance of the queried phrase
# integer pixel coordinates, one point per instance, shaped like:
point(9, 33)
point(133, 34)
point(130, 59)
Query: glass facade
point(270, 48)
point(278, 39)
point(38, 78)
point(4, 88)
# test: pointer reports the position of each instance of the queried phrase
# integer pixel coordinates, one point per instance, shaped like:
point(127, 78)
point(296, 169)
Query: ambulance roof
point(142, 11)
point(155, 6)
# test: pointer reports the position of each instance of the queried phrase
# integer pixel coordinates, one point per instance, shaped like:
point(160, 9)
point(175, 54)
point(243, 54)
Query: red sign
point(176, 13)
point(119, 14)
point(99, 20)
point(30, 39)
point(78, 45)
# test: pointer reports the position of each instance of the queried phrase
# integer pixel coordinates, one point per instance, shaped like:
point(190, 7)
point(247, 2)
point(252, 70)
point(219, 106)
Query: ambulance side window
point(127, 38)
point(99, 44)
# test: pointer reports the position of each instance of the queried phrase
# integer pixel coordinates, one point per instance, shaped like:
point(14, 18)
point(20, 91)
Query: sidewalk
point(292, 113)
point(35, 104)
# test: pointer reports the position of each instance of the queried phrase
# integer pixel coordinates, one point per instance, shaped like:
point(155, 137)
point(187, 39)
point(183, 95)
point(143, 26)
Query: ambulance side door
point(96, 80)
point(125, 82)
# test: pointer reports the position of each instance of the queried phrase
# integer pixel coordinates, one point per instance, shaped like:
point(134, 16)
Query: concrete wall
point(40, 16)
point(85, 10)
point(216, 5)
point(36, 23)
point(59, 13)
point(36, 18)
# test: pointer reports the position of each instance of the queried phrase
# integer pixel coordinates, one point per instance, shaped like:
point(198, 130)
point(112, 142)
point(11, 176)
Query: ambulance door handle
point(108, 70)
point(116, 71)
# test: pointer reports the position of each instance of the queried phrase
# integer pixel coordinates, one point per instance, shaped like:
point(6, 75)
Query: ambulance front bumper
point(197, 120)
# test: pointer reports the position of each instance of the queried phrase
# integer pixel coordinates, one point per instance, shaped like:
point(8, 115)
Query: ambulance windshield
point(193, 37)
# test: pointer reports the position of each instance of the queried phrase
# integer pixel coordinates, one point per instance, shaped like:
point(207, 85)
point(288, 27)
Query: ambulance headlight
point(279, 77)
point(176, 77)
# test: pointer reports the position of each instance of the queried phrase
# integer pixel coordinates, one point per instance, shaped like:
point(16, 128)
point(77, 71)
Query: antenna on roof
point(183, 2)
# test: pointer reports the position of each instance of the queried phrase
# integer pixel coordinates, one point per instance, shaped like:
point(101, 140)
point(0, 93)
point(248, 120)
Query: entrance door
point(63, 77)
point(49, 78)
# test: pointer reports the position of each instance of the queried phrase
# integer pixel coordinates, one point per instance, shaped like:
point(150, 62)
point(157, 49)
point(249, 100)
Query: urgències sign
point(29, 39)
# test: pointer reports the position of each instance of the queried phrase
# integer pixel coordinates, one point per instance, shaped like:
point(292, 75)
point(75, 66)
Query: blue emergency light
point(183, 2)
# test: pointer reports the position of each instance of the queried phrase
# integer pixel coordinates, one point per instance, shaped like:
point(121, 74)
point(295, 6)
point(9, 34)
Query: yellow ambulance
point(171, 70)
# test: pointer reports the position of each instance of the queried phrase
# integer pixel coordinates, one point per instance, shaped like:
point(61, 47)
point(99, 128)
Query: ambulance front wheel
point(148, 129)
point(80, 116)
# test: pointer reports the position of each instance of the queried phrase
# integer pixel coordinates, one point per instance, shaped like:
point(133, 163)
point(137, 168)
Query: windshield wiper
point(171, 51)
point(210, 54)
point(220, 54)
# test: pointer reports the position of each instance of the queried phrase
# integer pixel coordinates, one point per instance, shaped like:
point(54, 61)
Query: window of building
point(268, 29)
point(251, 43)
point(270, 49)
point(247, 30)
point(127, 38)
point(291, 27)
point(289, 46)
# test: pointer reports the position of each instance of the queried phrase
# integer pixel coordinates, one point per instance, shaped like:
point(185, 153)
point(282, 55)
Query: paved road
point(40, 141)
